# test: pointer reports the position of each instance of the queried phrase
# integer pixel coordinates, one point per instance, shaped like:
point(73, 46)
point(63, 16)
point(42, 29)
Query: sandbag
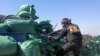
point(25, 7)
point(19, 25)
point(36, 25)
point(24, 14)
point(8, 46)
point(26, 11)
point(30, 48)
point(85, 51)
point(46, 25)
point(95, 46)
point(46, 47)
point(3, 27)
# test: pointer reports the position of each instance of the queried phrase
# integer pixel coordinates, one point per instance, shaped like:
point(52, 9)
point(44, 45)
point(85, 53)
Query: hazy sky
point(85, 13)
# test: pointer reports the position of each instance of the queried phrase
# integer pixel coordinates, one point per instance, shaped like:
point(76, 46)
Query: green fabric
point(46, 25)
point(25, 7)
point(3, 27)
point(33, 36)
point(30, 48)
point(27, 11)
point(24, 14)
point(47, 46)
point(36, 25)
point(8, 46)
point(41, 23)
point(85, 51)
point(19, 25)
point(93, 48)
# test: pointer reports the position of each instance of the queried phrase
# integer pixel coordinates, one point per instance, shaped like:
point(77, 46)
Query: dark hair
point(65, 19)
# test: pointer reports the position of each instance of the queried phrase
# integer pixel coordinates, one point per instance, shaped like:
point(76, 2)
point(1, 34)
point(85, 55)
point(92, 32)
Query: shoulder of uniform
point(73, 28)
point(74, 24)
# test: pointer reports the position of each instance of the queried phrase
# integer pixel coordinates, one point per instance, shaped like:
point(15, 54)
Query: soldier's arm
point(53, 33)
point(62, 34)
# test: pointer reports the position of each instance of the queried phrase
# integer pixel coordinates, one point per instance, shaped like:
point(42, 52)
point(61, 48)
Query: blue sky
point(85, 13)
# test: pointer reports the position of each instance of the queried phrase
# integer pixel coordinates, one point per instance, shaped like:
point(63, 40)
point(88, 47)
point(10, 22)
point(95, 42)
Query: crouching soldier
point(73, 36)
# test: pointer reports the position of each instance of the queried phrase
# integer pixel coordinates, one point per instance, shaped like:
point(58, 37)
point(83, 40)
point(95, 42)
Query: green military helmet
point(24, 14)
